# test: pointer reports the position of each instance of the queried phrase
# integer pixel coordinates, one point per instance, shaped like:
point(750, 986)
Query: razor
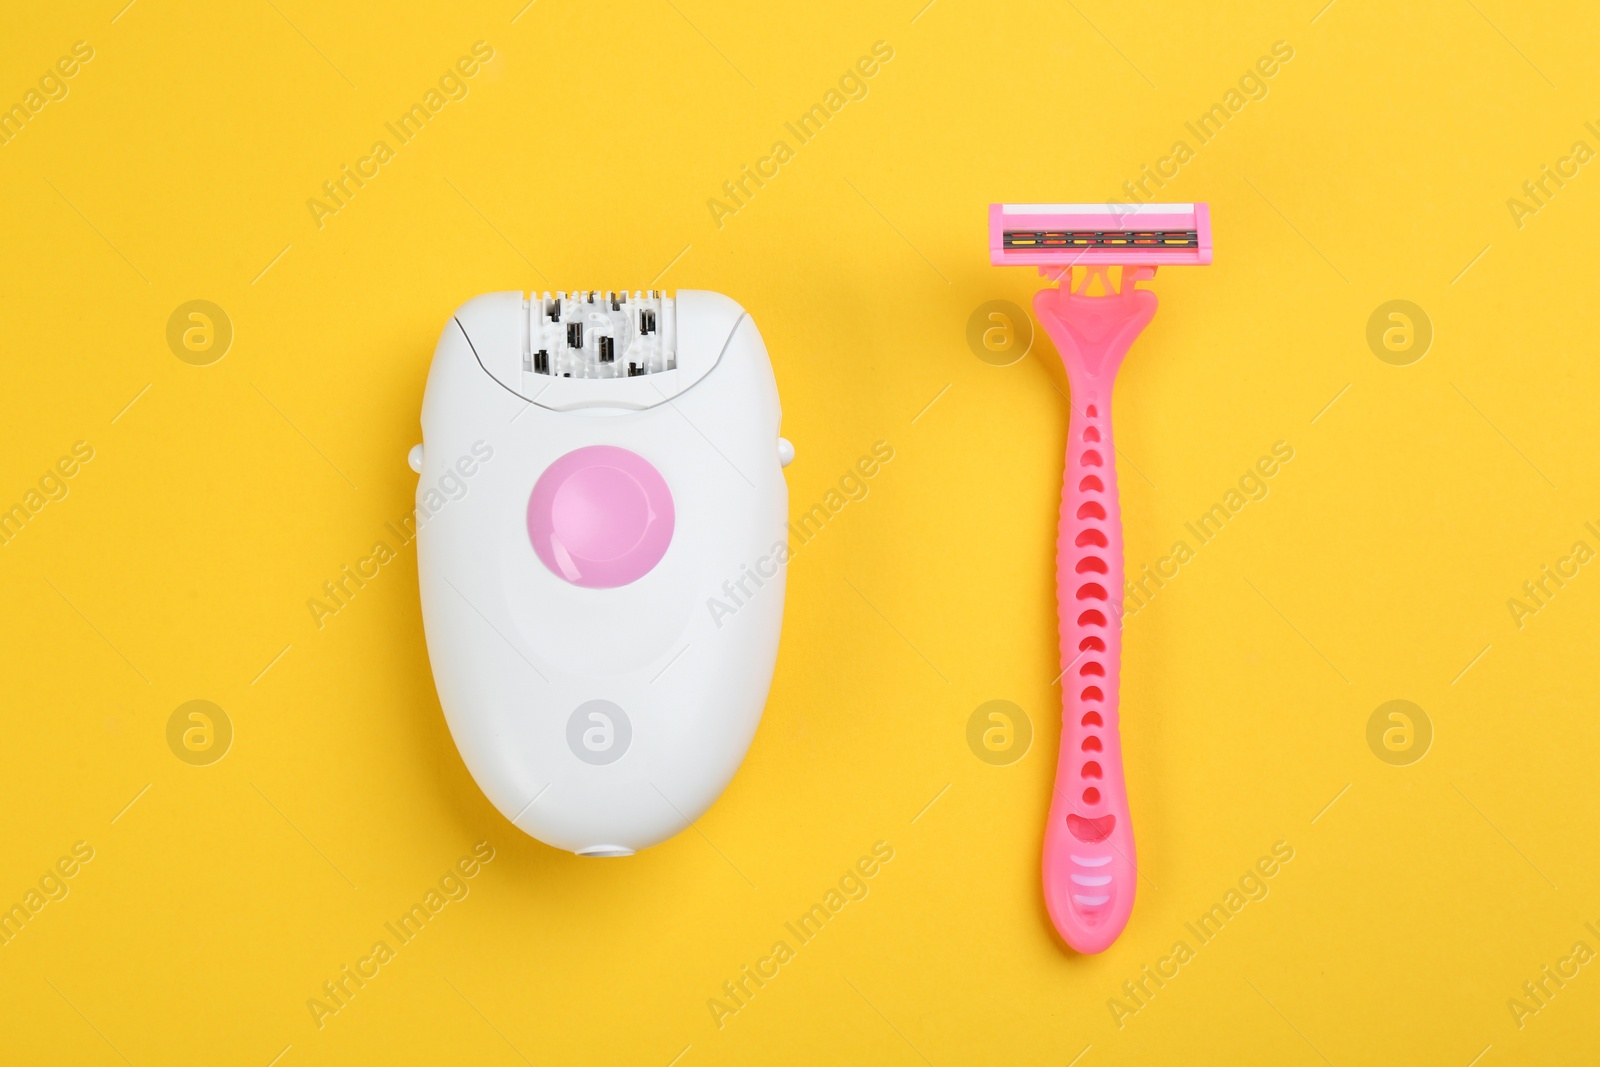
point(1098, 254)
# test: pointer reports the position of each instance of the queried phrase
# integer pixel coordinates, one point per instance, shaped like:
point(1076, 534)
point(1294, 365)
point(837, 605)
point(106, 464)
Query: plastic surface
point(600, 517)
point(1090, 872)
point(602, 720)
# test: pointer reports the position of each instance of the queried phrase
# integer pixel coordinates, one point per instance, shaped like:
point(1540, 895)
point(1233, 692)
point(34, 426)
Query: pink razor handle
point(1089, 868)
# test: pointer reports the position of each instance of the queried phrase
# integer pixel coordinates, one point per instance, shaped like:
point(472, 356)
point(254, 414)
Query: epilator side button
point(785, 451)
point(414, 458)
point(600, 517)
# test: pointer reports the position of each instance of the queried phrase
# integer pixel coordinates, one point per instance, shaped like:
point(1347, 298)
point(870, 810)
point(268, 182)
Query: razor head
point(1131, 235)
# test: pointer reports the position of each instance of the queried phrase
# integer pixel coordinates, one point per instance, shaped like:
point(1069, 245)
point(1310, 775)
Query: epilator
point(596, 468)
point(1099, 253)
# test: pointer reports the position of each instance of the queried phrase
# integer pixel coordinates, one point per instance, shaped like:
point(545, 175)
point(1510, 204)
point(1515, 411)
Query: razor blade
point(1065, 235)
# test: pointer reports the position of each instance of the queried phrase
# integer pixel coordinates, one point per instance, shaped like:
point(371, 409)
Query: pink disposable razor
point(1093, 317)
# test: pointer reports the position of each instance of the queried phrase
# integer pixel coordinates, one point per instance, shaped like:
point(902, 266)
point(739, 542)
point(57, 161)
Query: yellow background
point(1378, 568)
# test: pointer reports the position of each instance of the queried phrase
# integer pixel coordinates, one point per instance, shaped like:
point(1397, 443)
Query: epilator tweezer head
point(599, 334)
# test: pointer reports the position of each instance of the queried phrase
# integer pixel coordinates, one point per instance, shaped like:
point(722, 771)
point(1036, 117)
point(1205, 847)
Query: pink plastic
point(1089, 867)
point(600, 517)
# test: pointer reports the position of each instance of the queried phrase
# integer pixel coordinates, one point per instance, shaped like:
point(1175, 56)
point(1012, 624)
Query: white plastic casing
point(686, 651)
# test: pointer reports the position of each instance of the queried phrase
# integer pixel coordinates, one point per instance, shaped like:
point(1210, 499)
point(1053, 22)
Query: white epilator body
point(601, 552)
